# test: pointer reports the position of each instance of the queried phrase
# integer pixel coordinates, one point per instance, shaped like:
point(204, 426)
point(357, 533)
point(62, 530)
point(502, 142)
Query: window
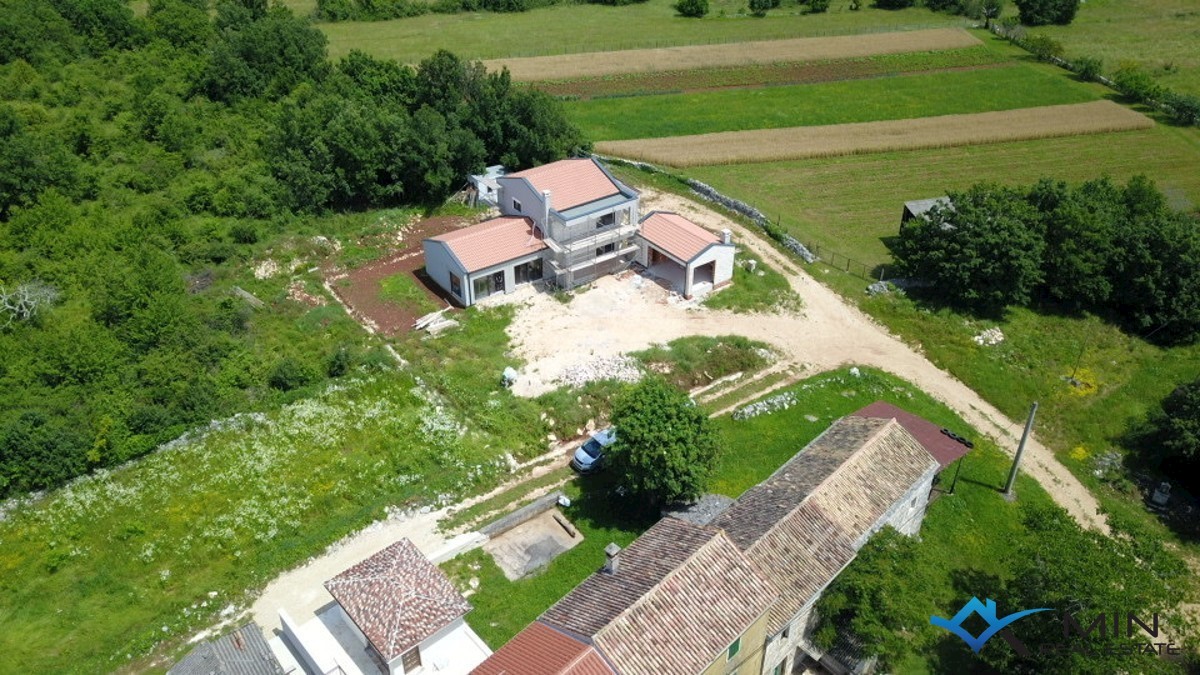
point(530, 271)
point(787, 631)
point(607, 248)
point(779, 668)
point(605, 220)
point(456, 285)
point(516, 206)
point(734, 649)
point(411, 660)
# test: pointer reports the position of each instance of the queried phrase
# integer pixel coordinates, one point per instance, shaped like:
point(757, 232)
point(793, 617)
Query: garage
point(691, 260)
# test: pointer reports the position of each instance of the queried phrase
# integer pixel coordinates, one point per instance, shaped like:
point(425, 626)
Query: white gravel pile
point(622, 368)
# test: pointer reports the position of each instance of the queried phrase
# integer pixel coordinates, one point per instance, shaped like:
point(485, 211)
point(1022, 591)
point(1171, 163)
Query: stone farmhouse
point(735, 595)
point(568, 223)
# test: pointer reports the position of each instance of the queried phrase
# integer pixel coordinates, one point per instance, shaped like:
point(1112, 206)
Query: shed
point(692, 259)
point(919, 207)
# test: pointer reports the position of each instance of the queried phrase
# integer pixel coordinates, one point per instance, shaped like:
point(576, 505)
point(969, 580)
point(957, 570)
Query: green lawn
point(404, 290)
point(853, 203)
point(763, 290)
point(902, 97)
point(587, 27)
point(1162, 35)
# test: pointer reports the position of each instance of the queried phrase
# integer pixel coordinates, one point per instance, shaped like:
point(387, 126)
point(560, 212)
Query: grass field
point(1162, 35)
point(845, 102)
point(574, 28)
point(403, 290)
point(852, 204)
point(798, 50)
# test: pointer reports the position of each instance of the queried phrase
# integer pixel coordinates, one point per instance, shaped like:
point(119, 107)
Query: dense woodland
point(142, 156)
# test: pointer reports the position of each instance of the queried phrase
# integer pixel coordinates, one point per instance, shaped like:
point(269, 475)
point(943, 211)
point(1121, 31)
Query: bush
point(692, 8)
point(339, 362)
point(1089, 68)
point(760, 7)
point(815, 6)
point(1044, 47)
point(954, 6)
point(1135, 82)
point(894, 4)
point(289, 374)
point(1045, 12)
point(244, 233)
point(1185, 109)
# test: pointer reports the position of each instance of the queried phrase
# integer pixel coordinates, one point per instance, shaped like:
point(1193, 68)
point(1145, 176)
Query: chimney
point(726, 237)
point(611, 558)
point(546, 214)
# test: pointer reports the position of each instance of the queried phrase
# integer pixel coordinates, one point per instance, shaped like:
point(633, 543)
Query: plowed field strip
point(774, 74)
point(597, 64)
point(767, 145)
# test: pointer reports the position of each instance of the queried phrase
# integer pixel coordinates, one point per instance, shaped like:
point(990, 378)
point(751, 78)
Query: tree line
point(1118, 251)
point(383, 10)
point(143, 159)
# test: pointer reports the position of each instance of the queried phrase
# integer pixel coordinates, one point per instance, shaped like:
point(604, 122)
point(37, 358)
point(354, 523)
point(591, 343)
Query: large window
point(606, 249)
point(488, 284)
point(529, 271)
point(516, 206)
point(605, 220)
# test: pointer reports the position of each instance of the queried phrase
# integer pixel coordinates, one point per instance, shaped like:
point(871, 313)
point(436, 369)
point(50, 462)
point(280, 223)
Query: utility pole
point(1012, 474)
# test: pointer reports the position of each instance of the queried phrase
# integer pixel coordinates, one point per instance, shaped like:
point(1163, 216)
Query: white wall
point(440, 263)
point(722, 254)
point(510, 275)
point(522, 191)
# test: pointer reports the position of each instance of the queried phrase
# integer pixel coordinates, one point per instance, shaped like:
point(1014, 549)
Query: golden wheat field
point(598, 64)
point(769, 145)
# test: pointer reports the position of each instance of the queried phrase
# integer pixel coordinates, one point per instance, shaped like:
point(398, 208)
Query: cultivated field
point(799, 50)
point(869, 100)
point(767, 145)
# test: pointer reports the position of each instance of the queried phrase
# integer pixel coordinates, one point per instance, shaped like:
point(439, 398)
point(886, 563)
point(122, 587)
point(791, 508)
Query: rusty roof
point(542, 650)
point(943, 448)
point(802, 525)
point(492, 242)
point(571, 182)
point(397, 598)
point(675, 235)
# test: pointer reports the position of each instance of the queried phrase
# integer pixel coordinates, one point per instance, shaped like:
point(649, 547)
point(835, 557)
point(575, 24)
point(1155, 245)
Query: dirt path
point(827, 334)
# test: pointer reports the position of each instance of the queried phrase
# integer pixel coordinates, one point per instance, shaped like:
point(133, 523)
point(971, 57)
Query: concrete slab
point(531, 546)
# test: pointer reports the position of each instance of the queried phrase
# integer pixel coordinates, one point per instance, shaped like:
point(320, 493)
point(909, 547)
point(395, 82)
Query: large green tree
point(666, 447)
point(1044, 12)
point(982, 251)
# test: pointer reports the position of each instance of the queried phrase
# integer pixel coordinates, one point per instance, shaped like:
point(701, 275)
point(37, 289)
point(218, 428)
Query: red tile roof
point(492, 242)
point(943, 448)
point(542, 650)
point(571, 182)
point(676, 235)
point(397, 598)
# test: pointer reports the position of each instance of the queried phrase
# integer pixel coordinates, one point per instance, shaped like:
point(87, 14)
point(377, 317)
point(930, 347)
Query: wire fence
point(845, 263)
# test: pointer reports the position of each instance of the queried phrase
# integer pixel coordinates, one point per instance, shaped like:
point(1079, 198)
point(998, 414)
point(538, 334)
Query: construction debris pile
point(620, 368)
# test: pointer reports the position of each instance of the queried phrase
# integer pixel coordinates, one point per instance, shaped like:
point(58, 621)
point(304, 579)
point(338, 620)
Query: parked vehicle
point(589, 456)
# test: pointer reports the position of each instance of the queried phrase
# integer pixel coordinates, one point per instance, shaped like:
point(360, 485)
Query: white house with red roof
point(570, 222)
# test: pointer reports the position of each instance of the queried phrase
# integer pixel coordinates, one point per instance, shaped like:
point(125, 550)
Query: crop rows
point(765, 145)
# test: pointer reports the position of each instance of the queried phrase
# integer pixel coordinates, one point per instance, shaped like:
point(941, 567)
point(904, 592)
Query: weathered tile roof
point(397, 598)
point(943, 448)
point(542, 650)
point(802, 525)
point(242, 652)
point(681, 594)
point(571, 182)
point(692, 616)
point(492, 242)
point(676, 235)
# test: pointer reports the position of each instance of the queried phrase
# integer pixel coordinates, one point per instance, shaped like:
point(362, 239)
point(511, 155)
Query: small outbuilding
point(692, 259)
point(408, 613)
point(919, 207)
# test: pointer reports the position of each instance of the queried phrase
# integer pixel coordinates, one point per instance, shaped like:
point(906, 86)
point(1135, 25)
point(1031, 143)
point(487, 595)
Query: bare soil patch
point(745, 77)
point(531, 545)
point(595, 64)
point(769, 145)
point(359, 289)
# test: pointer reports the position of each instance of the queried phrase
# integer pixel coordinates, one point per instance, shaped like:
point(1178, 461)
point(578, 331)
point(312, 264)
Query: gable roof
point(397, 598)
point(681, 594)
point(492, 242)
point(571, 182)
point(242, 652)
point(804, 524)
point(542, 650)
point(676, 235)
point(943, 448)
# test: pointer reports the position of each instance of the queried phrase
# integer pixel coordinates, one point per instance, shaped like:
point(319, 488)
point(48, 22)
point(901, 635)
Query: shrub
point(954, 6)
point(289, 374)
point(815, 6)
point(1135, 82)
point(894, 4)
point(1089, 68)
point(759, 7)
point(692, 8)
point(1185, 109)
point(1044, 47)
point(339, 362)
point(244, 233)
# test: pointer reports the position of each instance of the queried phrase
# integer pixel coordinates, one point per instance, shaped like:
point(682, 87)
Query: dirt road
point(827, 334)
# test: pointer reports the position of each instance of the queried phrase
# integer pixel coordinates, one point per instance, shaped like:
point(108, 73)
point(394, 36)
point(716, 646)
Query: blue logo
point(988, 612)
